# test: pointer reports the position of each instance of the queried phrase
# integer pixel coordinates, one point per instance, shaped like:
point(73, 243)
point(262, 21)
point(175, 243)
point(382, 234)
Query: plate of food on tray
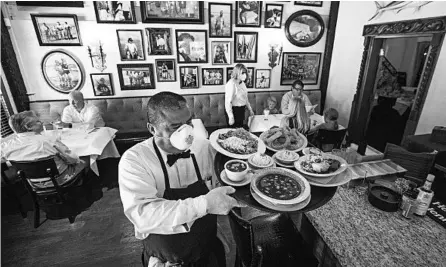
point(278, 138)
point(280, 186)
point(322, 166)
point(236, 143)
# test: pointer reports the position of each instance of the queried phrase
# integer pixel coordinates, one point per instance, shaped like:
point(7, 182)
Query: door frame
point(374, 35)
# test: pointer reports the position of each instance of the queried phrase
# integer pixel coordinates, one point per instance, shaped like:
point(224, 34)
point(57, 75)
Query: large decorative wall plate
point(62, 71)
point(304, 28)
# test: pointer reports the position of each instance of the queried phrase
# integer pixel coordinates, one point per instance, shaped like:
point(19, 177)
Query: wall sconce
point(275, 54)
point(97, 58)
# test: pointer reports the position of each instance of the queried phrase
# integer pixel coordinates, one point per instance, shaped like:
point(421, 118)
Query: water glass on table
point(266, 113)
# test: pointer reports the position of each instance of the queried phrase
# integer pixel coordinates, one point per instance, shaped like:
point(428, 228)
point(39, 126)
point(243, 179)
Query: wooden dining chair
point(13, 189)
point(418, 165)
point(327, 140)
point(268, 240)
point(39, 178)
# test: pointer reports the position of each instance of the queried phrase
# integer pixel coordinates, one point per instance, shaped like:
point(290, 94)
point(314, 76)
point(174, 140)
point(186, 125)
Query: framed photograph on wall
point(249, 80)
point(220, 20)
point(179, 12)
point(159, 41)
point(304, 28)
point(308, 3)
point(102, 84)
point(56, 30)
point(189, 77)
point(302, 66)
point(165, 70)
point(51, 3)
point(115, 12)
point(131, 47)
point(62, 71)
point(273, 16)
point(136, 76)
point(212, 76)
point(248, 13)
point(192, 46)
point(263, 78)
point(245, 47)
point(221, 52)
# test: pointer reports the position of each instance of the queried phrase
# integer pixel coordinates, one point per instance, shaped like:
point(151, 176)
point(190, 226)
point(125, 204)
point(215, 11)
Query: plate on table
point(320, 167)
point(239, 144)
point(290, 166)
point(275, 141)
point(280, 186)
point(279, 207)
point(333, 181)
point(243, 182)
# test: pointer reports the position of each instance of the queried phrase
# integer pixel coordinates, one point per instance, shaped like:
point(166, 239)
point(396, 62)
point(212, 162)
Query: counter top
point(358, 234)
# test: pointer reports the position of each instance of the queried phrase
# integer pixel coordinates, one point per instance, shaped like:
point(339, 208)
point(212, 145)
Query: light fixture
point(97, 57)
point(275, 54)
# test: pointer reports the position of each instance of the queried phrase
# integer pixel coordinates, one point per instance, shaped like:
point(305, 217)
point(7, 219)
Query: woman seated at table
point(297, 117)
point(29, 144)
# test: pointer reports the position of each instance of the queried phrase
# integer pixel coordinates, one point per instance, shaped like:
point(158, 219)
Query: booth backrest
point(129, 114)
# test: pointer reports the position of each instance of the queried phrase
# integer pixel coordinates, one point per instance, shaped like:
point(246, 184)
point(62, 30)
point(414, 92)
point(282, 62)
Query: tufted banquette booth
point(128, 115)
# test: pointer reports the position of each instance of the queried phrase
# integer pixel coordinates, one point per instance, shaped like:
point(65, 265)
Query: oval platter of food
point(322, 166)
point(280, 186)
point(277, 139)
point(236, 143)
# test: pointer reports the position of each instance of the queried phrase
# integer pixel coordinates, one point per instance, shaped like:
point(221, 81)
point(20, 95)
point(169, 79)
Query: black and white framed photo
point(165, 70)
point(263, 78)
point(77, 4)
point(304, 28)
point(62, 71)
point(178, 12)
point(136, 76)
point(102, 84)
point(245, 47)
point(248, 13)
point(220, 20)
point(131, 46)
point(273, 16)
point(302, 66)
point(221, 52)
point(192, 46)
point(189, 77)
point(249, 82)
point(115, 12)
point(159, 41)
point(308, 3)
point(56, 30)
point(212, 76)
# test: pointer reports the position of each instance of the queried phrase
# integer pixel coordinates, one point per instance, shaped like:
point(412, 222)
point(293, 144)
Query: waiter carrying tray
point(165, 186)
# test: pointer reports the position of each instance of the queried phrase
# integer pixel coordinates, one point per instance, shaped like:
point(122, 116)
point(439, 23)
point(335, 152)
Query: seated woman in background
point(297, 118)
point(29, 144)
point(271, 105)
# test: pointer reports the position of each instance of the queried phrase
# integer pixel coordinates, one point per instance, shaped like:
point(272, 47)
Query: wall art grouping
point(303, 28)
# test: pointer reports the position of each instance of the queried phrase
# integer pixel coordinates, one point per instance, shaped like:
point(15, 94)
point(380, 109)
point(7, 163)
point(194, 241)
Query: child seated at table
point(271, 105)
point(330, 121)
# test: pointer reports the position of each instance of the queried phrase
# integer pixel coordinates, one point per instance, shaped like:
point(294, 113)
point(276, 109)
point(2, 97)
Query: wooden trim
point(406, 27)
point(328, 51)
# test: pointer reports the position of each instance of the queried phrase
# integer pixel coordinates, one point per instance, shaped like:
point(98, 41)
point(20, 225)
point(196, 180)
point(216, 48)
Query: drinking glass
point(266, 113)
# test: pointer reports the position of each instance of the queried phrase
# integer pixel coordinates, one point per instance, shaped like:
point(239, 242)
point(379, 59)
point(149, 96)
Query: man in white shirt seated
point(166, 190)
point(289, 99)
point(80, 112)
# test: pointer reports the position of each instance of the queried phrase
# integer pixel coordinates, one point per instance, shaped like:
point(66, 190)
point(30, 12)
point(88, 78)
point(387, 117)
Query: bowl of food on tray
point(260, 161)
point(320, 166)
point(312, 151)
point(236, 143)
point(279, 138)
point(236, 170)
point(286, 157)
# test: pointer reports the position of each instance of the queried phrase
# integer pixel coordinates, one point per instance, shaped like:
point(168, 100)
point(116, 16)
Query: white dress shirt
point(141, 185)
point(89, 114)
point(235, 95)
point(288, 104)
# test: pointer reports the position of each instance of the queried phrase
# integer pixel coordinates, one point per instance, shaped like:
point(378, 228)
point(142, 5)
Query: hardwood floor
point(100, 236)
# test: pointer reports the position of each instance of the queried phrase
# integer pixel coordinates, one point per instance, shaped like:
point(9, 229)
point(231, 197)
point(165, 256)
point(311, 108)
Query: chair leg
point(36, 216)
point(71, 219)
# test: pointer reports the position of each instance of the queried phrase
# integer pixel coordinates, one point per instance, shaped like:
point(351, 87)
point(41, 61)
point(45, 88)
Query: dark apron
point(188, 249)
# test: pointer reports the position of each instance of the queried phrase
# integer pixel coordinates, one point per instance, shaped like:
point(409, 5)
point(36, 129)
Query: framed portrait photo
point(131, 47)
point(249, 80)
point(51, 3)
point(116, 12)
point(212, 76)
point(189, 77)
point(192, 46)
point(136, 76)
point(179, 12)
point(165, 70)
point(263, 78)
point(220, 20)
point(56, 30)
point(308, 3)
point(245, 47)
point(248, 13)
point(159, 41)
point(221, 52)
point(102, 84)
point(302, 66)
point(273, 16)
point(62, 71)
point(304, 28)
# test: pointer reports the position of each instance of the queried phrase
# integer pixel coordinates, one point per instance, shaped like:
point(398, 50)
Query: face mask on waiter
point(182, 138)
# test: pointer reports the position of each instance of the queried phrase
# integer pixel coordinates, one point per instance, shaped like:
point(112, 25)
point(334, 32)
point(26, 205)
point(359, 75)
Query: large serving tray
point(374, 168)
